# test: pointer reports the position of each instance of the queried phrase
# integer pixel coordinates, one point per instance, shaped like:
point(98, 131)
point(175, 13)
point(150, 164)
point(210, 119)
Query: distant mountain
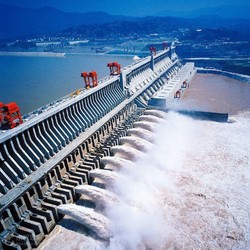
point(223, 27)
point(224, 11)
point(221, 11)
point(16, 21)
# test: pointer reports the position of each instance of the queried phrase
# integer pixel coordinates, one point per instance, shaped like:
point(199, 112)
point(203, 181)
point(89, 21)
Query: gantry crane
point(153, 50)
point(10, 115)
point(115, 68)
point(90, 79)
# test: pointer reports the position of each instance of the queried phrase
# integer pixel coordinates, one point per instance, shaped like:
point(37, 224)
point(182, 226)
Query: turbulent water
point(150, 118)
point(145, 125)
point(89, 218)
point(141, 133)
point(117, 162)
point(136, 142)
point(127, 152)
point(103, 175)
point(189, 191)
point(194, 194)
point(101, 197)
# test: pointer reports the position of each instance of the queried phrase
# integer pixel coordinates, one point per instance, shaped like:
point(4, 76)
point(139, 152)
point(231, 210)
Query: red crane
point(115, 68)
point(153, 50)
point(10, 115)
point(164, 45)
point(90, 79)
point(93, 78)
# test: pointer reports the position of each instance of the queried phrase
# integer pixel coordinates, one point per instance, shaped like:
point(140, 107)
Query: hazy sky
point(125, 7)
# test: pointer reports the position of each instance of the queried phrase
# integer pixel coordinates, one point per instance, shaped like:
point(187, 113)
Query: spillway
point(43, 160)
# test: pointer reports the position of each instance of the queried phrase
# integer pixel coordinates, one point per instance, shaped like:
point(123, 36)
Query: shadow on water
point(204, 115)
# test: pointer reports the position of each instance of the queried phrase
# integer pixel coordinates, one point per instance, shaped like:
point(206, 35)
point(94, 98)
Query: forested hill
point(18, 22)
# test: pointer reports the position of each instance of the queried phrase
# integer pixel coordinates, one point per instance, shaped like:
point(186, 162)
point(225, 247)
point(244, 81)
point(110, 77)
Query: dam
point(45, 159)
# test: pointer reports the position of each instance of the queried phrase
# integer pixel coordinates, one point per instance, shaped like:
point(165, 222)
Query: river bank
point(33, 54)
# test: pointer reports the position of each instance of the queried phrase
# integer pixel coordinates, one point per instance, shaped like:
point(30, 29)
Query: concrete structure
point(175, 82)
point(42, 160)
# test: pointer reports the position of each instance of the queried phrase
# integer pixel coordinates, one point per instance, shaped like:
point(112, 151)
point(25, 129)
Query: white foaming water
point(151, 118)
point(101, 197)
point(117, 162)
point(104, 175)
point(126, 152)
point(150, 126)
point(112, 167)
point(157, 113)
point(137, 143)
point(191, 191)
point(141, 133)
point(89, 218)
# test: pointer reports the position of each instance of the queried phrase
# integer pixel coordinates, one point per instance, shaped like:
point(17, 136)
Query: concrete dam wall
point(43, 160)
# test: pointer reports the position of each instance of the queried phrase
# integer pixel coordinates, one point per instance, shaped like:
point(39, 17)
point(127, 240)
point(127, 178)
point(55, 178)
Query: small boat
point(101, 50)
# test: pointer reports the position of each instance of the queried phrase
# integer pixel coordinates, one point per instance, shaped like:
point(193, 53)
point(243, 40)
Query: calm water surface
point(35, 81)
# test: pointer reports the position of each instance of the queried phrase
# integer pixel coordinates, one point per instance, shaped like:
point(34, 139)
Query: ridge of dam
point(43, 160)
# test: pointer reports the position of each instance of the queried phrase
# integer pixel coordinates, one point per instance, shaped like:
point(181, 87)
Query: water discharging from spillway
point(151, 118)
point(101, 197)
point(92, 220)
point(105, 176)
point(117, 162)
point(136, 142)
point(150, 126)
point(157, 113)
point(190, 191)
point(141, 133)
point(127, 152)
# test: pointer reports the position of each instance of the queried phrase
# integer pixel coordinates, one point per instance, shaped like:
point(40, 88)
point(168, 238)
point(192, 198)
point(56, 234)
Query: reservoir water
point(32, 82)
